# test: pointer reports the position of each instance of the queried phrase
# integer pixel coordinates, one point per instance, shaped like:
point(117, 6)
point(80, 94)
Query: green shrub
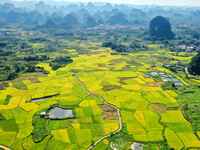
point(39, 131)
point(7, 100)
point(169, 85)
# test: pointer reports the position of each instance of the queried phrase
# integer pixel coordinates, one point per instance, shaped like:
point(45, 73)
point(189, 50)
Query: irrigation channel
point(118, 113)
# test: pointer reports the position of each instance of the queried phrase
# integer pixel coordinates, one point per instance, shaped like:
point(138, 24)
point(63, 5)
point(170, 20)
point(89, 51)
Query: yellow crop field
point(10, 84)
point(189, 139)
point(56, 134)
point(166, 94)
point(110, 126)
point(30, 92)
point(142, 105)
point(173, 116)
point(172, 93)
point(156, 94)
point(126, 97)
point(147, 111)
point(44, 105)
point(135, 129)
point(64, 135)
point(76, 126)
point(23, 133)
point(26, 81)
point(84, 103)
point(92, 102)
point(140, 81)
point(45, 66)
point(148, 80)
point(28, 106)
point(196, 80)
point(7, 138)
point(140, 117)
point(79, 112)
point(117, 92)
point(82, 135)
point(96, 110)
point(132, 87)
point(173, 140)
point(19, 93)
point(14, 102)
point(11, 90)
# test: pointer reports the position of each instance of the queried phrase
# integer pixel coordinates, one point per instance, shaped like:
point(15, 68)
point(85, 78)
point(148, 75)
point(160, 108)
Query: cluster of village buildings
point(185, 48)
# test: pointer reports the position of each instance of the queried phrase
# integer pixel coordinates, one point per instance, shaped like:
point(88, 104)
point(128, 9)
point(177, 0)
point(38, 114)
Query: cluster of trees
point(39, 132)
point(5, 53)
point(194, 65)
point(12, 72)
point(60, 62)
point(124, 48)
point(36, 58)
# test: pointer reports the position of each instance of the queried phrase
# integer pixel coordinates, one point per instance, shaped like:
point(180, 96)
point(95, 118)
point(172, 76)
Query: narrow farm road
point(4, 147)
point(186, 71)
point(118, 113)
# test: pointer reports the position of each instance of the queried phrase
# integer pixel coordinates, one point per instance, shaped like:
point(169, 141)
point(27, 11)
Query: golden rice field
point(120, 83)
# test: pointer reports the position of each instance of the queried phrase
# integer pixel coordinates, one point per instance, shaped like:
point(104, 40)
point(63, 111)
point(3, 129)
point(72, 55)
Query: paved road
point(4, 147)
point(118, 113)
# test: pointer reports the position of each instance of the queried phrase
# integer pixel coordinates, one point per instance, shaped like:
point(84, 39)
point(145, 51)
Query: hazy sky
point(142, 2)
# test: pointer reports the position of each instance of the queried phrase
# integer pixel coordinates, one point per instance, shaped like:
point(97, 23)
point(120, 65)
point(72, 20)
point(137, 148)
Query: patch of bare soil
point(75, 121)
point(110, 87)
point(126, 68)
point(157, 84)
point(112, 68)
point(101, 65)
point(107, 108)
point(154, 84)
point(56, 122)
point(110, 116)
point(156, 108)
point(68, 123)
point(149, 84)
point(91, 95)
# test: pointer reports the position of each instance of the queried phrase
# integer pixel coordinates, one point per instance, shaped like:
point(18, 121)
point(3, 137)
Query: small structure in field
point(43, 115)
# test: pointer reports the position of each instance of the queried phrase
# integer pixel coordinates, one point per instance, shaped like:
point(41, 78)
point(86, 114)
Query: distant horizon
point(194, 3)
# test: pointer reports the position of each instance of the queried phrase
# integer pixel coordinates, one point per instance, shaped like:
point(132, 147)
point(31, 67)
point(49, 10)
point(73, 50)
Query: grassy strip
point(7, 100)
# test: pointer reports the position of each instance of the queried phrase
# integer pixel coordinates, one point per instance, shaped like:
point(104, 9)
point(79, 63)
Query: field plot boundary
point(118, 112)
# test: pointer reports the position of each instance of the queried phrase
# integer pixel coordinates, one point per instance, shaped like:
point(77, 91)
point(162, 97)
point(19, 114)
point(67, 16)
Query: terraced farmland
point(149, 113)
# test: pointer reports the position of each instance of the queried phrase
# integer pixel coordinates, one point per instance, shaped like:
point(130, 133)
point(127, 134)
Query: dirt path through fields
point(118, 113)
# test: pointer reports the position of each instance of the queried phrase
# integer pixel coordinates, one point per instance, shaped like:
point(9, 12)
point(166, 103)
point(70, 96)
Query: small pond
point(179, 84)
point(166, 79)
point(175, 79)
point(161, 73)
point(60, 113)
point(42, 99)
point(164, 76)
point(154, 73)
